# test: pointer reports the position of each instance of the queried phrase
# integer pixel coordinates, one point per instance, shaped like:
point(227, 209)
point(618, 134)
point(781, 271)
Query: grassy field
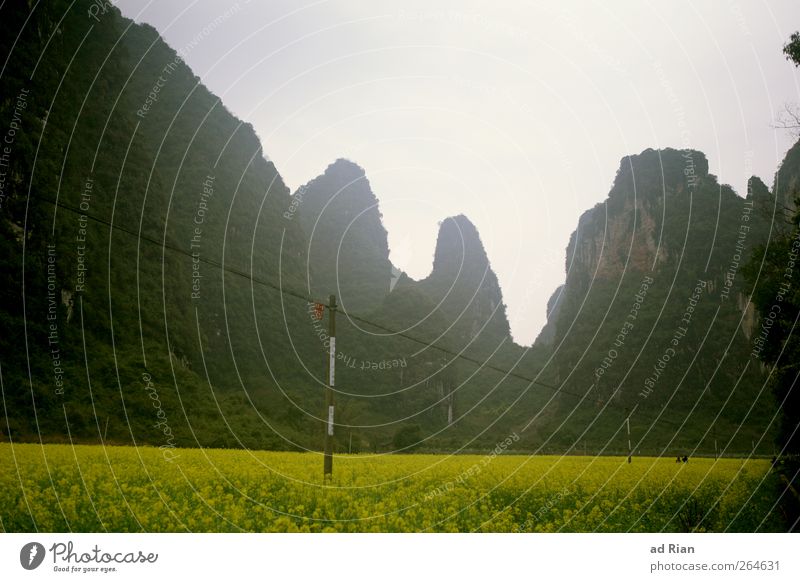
point(92, 488)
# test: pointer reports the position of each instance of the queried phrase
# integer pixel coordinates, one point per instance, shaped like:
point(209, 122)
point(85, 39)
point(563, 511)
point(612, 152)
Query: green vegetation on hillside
point(155, 271)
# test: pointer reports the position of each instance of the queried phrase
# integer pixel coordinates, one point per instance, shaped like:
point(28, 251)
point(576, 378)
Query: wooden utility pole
point(628, 424)
point(714, 434)
point(329, 400)
point(446, 383)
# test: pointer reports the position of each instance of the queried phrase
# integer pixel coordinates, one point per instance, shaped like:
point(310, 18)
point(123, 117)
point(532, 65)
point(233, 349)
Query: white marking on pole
point(332, 365)
point(628, 424)
point(330, 420)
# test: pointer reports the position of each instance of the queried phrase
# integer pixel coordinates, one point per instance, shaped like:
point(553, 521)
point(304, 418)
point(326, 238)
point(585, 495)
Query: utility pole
point(714, 434)
point(446, 383)
point(329, 401)
point(628, 425)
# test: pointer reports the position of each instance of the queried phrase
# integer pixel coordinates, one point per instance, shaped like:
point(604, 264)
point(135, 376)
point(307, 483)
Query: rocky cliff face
point(463, 285)
point(348, 255)
point(654, 275)
point(787, 179)
point(624, 232)
point(665, 214)
point(548, 332)
point(348, 252)
point(604, 246)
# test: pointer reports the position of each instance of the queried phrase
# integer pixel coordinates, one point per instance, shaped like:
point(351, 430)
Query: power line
point(459, 355)
point(486, 365)
point(296, 294)
point(178, 250)
point(307, 299)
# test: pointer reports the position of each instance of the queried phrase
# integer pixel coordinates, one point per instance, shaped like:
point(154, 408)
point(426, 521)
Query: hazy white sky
point(515, 114)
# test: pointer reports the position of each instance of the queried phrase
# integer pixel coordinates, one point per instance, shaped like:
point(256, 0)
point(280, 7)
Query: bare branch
point(789, 119)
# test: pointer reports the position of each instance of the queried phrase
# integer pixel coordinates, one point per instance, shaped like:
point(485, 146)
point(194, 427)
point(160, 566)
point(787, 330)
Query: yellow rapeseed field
point(122, 489)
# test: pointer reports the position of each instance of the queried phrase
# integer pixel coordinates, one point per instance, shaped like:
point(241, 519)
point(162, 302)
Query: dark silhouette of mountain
point(787, 179)
point(348, 252)
point(152, 253)
point(119, 131)
point(654, 314)
point(463, 285)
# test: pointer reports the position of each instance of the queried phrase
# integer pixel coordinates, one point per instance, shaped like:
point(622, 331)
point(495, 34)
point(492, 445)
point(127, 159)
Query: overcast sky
point(515, 114)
